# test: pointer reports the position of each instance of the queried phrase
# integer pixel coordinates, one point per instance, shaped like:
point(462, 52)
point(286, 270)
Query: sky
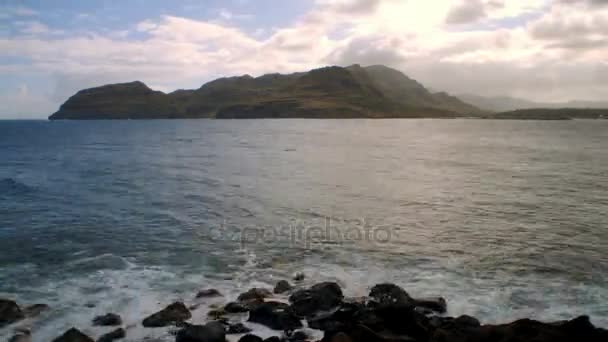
point(543, 50)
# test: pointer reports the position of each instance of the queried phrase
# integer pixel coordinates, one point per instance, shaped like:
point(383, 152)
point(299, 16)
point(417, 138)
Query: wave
point(12, 186)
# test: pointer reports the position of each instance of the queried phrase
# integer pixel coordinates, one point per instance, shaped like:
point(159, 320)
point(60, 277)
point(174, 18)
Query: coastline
point(297, 311)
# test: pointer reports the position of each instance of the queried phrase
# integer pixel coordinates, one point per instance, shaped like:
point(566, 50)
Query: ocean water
point(505, 219)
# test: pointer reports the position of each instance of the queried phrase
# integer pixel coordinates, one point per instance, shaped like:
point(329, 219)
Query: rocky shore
point(317, 313)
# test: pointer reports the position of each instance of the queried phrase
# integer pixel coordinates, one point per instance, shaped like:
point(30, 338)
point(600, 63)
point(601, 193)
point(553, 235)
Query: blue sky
point(537, 49)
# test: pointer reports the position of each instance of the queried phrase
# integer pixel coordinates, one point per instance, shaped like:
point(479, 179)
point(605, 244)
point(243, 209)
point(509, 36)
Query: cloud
point(466, 12)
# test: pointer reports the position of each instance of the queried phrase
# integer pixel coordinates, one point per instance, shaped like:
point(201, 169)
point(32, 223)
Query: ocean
point(505, 219)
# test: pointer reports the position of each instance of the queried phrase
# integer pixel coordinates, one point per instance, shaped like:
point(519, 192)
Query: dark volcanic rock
point(210, 332)
point(297, 336)
point(208, 293)
point(436, 304)
point(275, 315)
point(578, 329)
point(282, 287)
point(113, 335)
point(390, 294)
point(9, 312)
point(238, 328)
point(235, 307)
point(109, 319)
point(251, 338)
point(323, 296)
point(174, 313)
point(73, 335)
point(254, 294)
point(273, 339)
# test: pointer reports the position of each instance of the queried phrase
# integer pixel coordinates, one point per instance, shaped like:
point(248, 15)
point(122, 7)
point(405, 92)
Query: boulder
point(235, 307)
point(390, 294)
point(434, 304)
point(210, 332)
point(320, 297)
point(237, 328)
point(172, 314)
point(273, 339)
point(275, 315)
point(216, 314)
point(9, 312)
point(208, 293)
point(361, 333)
point(251, 338)
point(113, 335)
point(282, 287)
point(299, 276)
point(340, 337)
point(254, 294)
point(73, 335)
point(578, 329)
point(297, 336)
point(109, 319)
point(35, 310)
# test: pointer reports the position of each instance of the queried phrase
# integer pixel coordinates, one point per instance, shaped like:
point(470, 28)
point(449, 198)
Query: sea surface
point(505, 219)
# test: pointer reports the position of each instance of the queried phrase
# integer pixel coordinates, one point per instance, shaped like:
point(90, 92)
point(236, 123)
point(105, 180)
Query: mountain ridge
point(328, 92)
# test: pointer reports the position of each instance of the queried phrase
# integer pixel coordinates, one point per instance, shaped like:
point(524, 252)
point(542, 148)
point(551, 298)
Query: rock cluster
point(387, 314)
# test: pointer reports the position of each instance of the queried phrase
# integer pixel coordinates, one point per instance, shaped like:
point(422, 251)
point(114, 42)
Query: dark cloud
point(466, 12)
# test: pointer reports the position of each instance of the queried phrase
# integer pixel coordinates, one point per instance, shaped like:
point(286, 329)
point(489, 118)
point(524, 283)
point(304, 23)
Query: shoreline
point(295, 312)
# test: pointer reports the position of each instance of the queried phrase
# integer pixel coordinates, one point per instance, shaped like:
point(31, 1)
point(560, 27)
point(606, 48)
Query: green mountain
point(330, 92)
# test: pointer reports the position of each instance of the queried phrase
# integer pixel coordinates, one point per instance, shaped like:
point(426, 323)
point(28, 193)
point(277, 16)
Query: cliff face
point(331, 92)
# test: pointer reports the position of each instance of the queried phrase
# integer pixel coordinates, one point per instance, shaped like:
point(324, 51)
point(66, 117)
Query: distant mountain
point(552, 114)
point(330, 92)
point(505, 103)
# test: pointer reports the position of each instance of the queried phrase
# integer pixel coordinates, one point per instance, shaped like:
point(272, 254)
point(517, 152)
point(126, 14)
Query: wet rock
point(174, 313)
point(254, 294)
point(35, 310)
point(273, 339)
point(251, 338)
point(340, 337)
point(73, 335)
point(216, 314)
point(299, 276)
point(578, 329)
point(113, 335)
point(275, 315)
point(282, 287)
point(9, 312)
point(323, 296)
point(297, 336)
point(208, 293)
point(390, 294)
point(434, 304)
point(109, 319)
point(210, 332)
point(238, 328)
point(234, 307)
